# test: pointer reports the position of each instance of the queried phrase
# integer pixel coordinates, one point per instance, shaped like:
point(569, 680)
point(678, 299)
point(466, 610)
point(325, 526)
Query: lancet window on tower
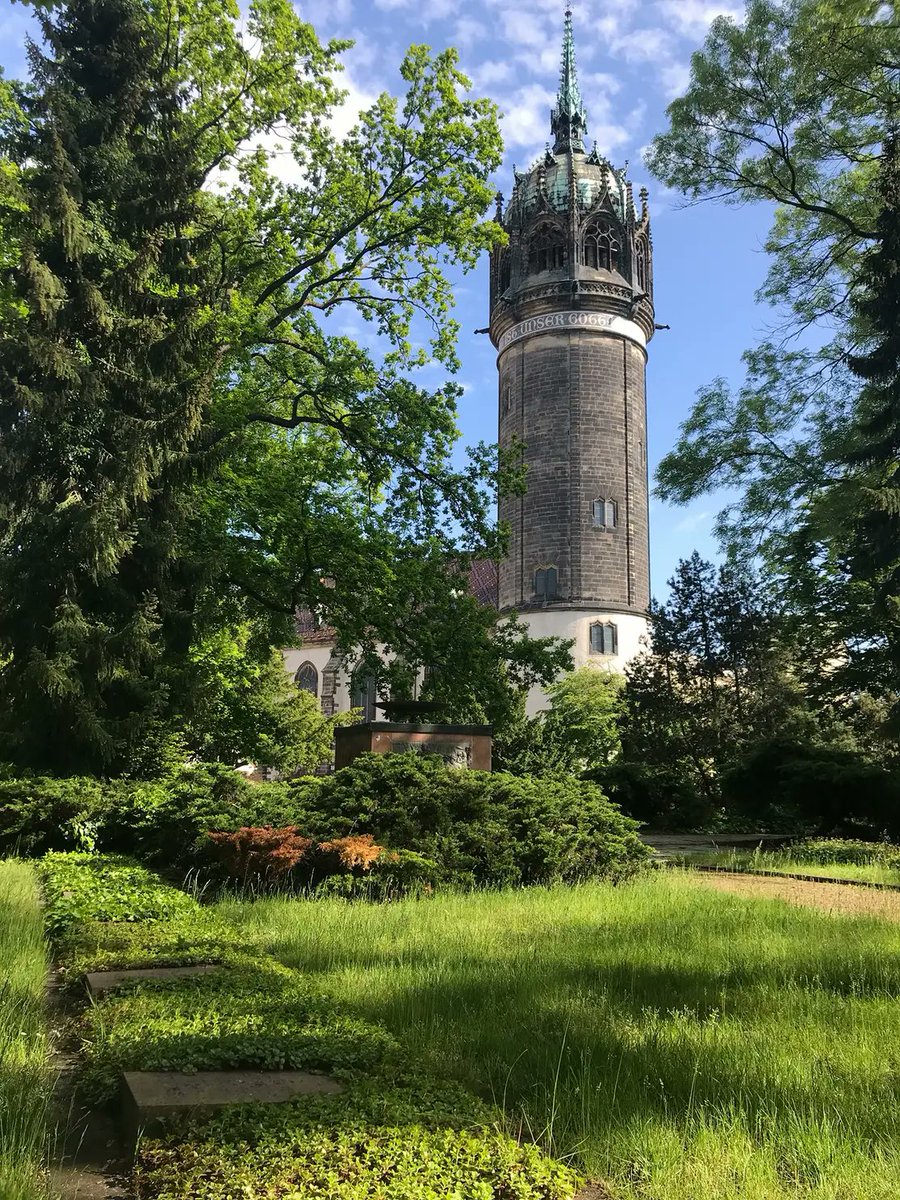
point(546, 583)
point(601, 247)
point(547, 249)
point(604, 638)
point(605, 514)
point(505, 274)
point(641, 262)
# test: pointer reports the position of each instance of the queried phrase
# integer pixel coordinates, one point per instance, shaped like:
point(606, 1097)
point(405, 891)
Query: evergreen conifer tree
point(104, 380)
point(872, 453)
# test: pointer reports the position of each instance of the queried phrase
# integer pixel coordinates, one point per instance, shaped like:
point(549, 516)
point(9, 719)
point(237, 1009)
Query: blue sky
point(633, 58)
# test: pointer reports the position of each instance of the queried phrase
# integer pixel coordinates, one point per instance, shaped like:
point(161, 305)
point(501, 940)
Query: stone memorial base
point(464, 746)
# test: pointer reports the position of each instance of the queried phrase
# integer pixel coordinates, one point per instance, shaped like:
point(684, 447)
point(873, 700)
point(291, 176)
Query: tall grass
point(24, 1076)
point(787, 861)
point(679, 1044)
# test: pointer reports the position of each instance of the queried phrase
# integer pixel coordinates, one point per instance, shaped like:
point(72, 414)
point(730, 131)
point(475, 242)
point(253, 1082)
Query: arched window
point(363, 694)
point(307, 679)
point(641, 261)
point(606, 514)
point(547, 249)
point(546, 583)
point(505, 276)
point(601, 247)
point(604, 638)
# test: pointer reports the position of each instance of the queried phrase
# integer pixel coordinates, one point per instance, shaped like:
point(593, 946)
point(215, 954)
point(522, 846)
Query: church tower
point(571, 318)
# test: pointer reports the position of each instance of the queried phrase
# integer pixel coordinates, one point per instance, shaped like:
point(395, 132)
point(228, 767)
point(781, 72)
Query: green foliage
point(479, 828)
point(254, 1015)
point(246, 709)
point(40, 814)
point(330, 1149)
point(391, 1122)
point(796, 107)
point(713, 683)
point(845, 850)
point(783, 784)
point(25, 1074)
point(578, 734)
point(98, 887)
point(202, 450)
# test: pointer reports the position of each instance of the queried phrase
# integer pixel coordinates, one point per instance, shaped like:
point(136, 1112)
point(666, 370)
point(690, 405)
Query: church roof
point(484, 583)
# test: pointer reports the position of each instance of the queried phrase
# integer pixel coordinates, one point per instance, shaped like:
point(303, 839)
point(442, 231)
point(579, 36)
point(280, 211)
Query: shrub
point(264, 852)
point(478, 828)
point(784, 784)
point(165, 824)
point(41, 814)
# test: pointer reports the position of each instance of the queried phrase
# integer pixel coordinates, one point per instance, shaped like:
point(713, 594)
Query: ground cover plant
point(24, 1070)
point(832, 858)
point(395, 1132)
point(676, 1042)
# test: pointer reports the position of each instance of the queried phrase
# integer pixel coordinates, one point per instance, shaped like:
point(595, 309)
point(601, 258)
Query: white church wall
point(576, 626)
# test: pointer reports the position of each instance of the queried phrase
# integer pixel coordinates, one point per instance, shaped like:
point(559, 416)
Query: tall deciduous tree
point(183, 429)
point(790, 108)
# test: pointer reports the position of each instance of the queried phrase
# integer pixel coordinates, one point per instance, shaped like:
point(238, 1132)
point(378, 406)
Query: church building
point(571, 316)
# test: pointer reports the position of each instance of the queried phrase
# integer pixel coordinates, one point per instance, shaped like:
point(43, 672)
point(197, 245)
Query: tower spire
point(568, 121)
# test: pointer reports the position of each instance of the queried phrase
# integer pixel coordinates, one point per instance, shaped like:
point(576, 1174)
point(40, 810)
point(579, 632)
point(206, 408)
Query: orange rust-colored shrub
point(260, 850)
point(356, 853)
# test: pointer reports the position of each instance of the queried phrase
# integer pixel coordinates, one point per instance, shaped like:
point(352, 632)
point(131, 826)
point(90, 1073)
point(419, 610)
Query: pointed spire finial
point(568, 121)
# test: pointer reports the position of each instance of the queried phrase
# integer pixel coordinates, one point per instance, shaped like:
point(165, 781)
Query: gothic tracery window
point(547, 249)
point(605, 514)
point(641, 257)
point(307, 679)
point(546, 583)
point(604, 638)
point(363, 692)
point(601, 247)
point(505, 273)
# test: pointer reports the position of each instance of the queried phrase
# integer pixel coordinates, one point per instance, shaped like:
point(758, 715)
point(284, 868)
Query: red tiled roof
point(484, 584)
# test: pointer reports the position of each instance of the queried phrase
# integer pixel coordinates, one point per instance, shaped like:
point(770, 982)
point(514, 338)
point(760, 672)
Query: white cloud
point(526, 114)
point(427, 10)
point(468, 32)
point(693, 521)
point(692, 18)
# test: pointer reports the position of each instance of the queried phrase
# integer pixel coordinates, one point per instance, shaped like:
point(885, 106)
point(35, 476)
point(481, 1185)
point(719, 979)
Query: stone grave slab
point(99, 982)
point(150, 1096)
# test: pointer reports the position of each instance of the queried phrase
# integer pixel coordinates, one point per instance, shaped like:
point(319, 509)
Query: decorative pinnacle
point(568, 121)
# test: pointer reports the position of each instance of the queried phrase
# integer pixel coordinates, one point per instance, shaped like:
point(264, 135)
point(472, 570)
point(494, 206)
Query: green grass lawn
point(24, 1079)
point(679, 1044)
point(783, 861)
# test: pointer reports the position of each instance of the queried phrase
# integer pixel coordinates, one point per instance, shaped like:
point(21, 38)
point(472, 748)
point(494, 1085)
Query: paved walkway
point(832, 898)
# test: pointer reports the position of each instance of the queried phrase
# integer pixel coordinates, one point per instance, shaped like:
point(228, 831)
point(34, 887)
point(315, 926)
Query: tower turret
point(571, 318)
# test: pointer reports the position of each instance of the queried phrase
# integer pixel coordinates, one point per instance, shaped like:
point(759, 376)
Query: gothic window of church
point(362, 692)
point(601, 247)
point(546, 250)
point(505, 273)
point(604, 638)
point(641, 256)
point(606, 514)
point(546, 583)
point(307, 679)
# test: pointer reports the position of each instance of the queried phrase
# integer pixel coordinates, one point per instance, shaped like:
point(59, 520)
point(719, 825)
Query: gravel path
point(833, 898)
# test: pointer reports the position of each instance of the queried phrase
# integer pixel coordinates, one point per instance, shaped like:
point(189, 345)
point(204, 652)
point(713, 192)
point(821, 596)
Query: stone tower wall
point(576, 400)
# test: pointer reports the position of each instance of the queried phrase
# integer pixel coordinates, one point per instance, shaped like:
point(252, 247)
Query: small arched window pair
point(547, 249)
point(601, 247)
point(604, 638)
point(546, 583)
point(605, 514)
point(640, 255)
